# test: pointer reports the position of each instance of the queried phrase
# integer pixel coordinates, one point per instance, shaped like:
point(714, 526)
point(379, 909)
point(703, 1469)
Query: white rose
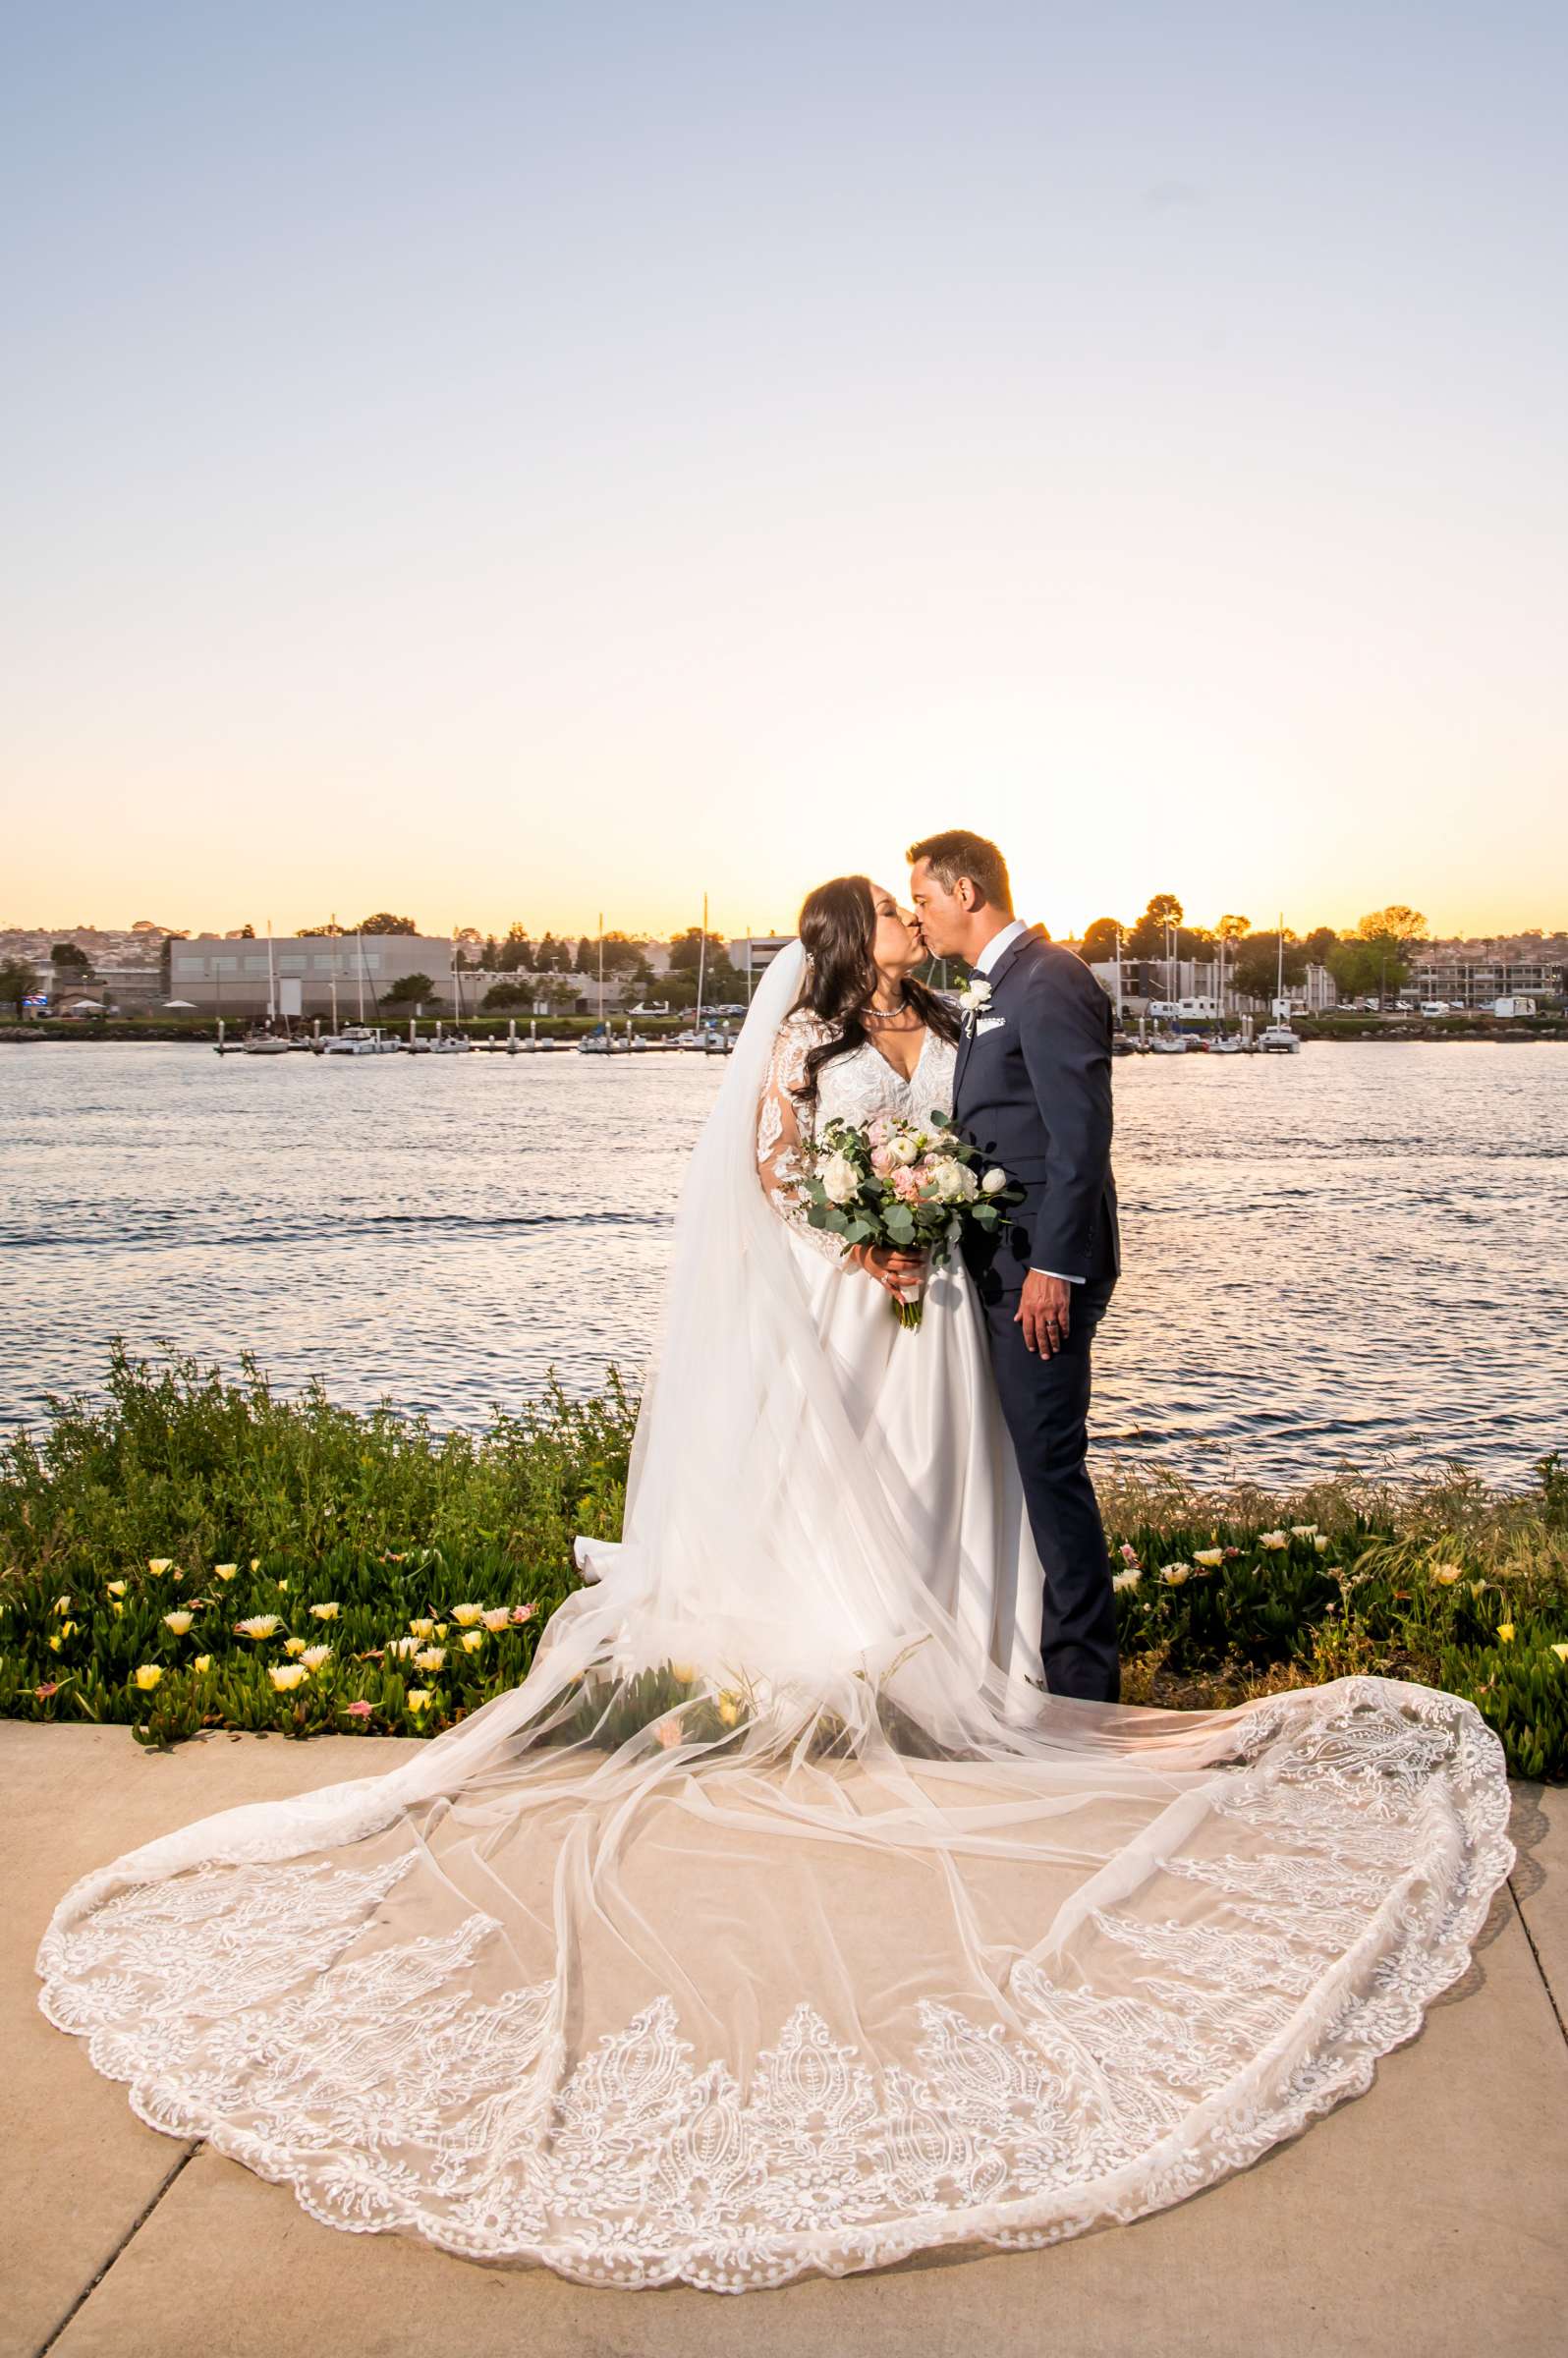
point(841, 1181)
point(953, 1183)
point(905, 1147)
point(994, 1182)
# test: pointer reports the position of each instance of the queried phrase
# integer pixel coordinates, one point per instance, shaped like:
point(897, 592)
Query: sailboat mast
point(272, 981)
point(336, 938)
point(601, 969)
point(359, 946)
point(1279, 987)
point(1118, 978)
point(701, 963)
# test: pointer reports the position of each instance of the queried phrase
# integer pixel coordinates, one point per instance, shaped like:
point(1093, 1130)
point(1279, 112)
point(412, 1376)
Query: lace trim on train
point(391, 2095)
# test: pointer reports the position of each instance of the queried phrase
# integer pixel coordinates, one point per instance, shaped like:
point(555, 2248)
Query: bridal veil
point(758, 1931)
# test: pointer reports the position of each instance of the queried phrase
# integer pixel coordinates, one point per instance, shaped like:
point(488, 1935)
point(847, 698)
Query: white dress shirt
point(982, 963)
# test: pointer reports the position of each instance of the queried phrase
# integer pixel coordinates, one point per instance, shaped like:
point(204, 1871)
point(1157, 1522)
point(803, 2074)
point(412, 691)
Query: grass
point(185, 1493)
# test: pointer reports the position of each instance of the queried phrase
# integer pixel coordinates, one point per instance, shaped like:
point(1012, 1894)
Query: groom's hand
point(1042, 1312)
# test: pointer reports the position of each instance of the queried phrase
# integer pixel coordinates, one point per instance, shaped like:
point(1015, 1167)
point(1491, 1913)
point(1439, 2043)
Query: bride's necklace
point(902, 1018)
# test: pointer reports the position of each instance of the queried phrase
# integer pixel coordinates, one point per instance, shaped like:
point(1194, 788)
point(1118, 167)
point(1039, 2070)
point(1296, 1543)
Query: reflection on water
point(1353, 1253)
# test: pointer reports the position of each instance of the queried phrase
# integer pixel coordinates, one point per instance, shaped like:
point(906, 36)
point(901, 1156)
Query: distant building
point(222, 977)
point(756, 952)
point(1474, 973)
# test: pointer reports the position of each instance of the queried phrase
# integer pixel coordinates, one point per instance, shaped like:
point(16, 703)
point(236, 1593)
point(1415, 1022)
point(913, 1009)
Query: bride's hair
point(839, 926)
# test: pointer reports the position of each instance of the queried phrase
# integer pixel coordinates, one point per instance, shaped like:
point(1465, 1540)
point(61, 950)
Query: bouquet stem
point(908, 1309)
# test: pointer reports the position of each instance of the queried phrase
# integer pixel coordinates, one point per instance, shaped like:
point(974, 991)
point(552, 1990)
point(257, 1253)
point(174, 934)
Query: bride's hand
point(893, 1270)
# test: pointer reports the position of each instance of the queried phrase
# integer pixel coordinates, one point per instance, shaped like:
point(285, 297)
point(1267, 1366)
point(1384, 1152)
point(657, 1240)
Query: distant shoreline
point(1312, 1031)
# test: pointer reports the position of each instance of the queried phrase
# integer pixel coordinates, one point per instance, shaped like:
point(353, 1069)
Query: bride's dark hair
point(837, 928)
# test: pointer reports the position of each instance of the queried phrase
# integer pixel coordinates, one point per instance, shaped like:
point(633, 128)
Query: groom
point(1034, 1089)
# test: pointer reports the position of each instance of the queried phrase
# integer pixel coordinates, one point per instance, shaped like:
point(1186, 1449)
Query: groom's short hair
point(957, 852)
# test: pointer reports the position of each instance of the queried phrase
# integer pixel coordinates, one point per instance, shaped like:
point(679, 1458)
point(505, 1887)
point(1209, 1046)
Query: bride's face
point(896, 945)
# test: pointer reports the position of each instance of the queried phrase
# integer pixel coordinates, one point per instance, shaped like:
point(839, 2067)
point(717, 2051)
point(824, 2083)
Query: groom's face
point(944, 916)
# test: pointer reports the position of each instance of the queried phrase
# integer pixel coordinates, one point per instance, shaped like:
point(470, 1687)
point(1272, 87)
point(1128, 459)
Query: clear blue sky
point(505, 461)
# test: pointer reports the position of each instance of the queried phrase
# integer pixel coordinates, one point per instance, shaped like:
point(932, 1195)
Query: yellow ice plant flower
point(62, 1604)
point(1321, 1543)
point(419, 1699)
point(67, 1629)
point(729, 1711)
point(326, 1613)
point(178, 1622)
point(466, 1615)
point(1273, 1541)
point(159, 1563)
point(118, 1610)
point(259, 1625)
point(430, 1657)
point(440, 1629)
point(1304, 1530)
point(496, 1617)
point(422, 1629)
point(315, 1656)
point(255, 1563)
point(116, 1587)
point(203, 1661)
point(1561, 1652)
point(1208, 1557)
point(1505, 1632)
point(285, 1676)
point(55, 1644)
point(1447, 1574)
point(683, 1672)
point(1174, 1574)
point(147, 1676)
point(294, 1644)
point(472, 1640)
point(224, 1571)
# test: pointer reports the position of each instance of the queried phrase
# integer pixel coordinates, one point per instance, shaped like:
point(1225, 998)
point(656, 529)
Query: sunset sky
point(505, 461)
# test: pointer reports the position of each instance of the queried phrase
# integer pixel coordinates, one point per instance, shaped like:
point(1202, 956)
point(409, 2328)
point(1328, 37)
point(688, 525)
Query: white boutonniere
point(974, 998)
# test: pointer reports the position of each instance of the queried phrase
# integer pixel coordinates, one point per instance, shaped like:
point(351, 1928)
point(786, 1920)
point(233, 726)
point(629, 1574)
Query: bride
point(778, 1921)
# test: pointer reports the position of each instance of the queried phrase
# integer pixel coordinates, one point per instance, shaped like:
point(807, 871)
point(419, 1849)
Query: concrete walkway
point(1424, 2221)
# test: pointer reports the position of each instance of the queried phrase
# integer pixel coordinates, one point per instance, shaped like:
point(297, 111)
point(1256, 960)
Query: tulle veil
point(757, 1931)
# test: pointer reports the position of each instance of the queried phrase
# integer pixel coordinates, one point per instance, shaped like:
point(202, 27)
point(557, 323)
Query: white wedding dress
point(927, 1404)
point(775, 1923)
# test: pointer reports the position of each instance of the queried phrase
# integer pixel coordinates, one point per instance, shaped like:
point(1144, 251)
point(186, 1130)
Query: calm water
point(1358, 1252)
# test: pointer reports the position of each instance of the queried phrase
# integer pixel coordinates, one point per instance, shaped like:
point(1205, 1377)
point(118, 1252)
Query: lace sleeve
point(784, 1136)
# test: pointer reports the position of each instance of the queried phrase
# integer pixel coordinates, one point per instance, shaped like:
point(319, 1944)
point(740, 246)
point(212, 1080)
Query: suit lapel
point(1020, 942)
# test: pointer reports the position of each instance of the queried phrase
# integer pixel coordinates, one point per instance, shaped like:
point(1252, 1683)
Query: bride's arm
point(784, 1140)
point(783, 1160)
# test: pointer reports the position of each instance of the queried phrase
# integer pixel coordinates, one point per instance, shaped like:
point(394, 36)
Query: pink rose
point(906, 1186)
point(877, 1133)
point(882, 1161)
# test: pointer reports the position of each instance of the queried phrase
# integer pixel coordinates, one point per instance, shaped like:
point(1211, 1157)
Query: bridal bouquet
point(908, 1185)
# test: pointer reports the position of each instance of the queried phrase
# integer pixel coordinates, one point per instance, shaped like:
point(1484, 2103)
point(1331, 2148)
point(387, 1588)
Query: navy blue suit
point(1034, 1089)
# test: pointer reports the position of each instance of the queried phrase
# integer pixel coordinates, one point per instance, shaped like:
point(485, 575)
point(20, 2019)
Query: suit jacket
point(1033, 1087)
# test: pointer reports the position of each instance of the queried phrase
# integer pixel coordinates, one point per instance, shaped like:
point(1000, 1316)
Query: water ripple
point(1353, 1254)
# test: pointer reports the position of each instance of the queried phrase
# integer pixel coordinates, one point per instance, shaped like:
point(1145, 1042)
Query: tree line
point(1373, 961)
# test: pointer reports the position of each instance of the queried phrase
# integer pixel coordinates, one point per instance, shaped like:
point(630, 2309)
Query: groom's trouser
point(1045, 1402)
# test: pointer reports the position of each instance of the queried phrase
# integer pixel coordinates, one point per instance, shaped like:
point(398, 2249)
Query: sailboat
point(268, 1042)
point(1278, 1040)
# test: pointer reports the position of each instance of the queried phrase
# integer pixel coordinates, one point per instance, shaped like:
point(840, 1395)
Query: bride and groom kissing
point(1008, 1333)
